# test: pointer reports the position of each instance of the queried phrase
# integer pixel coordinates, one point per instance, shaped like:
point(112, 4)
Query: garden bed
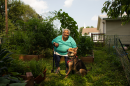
point(105, 71)
point(30, 57)
point(88, 59)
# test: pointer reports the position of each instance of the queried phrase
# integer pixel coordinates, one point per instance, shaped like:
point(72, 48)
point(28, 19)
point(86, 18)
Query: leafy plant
point(85, 45)
point(37, 67)
point(38, 36)
point(5, 61)
point(20, 66)
point(47, 53)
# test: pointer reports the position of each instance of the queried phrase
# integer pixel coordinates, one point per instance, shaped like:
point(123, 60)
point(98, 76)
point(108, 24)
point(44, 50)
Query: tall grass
point(106, 71)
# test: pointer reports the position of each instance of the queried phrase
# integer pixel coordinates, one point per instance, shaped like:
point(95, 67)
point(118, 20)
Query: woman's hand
point(56, 44)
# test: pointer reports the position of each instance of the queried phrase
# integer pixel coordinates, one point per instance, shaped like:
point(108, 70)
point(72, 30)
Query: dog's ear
point(75, 49)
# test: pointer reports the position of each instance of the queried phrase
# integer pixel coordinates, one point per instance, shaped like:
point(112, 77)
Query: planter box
point(62, 59)
point(39, 78)
point(88, 59)
point(30, 79)
point(30, 57)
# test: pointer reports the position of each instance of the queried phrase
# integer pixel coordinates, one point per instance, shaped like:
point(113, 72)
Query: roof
point(105, 17)
point(89, 30)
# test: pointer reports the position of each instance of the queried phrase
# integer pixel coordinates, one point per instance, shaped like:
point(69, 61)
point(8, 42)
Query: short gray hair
point(65, 30)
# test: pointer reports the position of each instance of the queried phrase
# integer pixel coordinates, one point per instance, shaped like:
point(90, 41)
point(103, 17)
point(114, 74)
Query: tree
point(16, 10)
point(89, 27)
point(117, 8)
point(80, 31)
point(29, 13)
point(85, 34)
point(66, 22)
point(92, 27)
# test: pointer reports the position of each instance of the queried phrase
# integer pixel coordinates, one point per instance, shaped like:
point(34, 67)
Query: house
point(89, 31)
point(113, 27)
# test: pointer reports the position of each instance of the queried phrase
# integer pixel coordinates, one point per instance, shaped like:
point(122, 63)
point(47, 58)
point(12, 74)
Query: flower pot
point(88, 59)
point(30, 57)
point(39, 78)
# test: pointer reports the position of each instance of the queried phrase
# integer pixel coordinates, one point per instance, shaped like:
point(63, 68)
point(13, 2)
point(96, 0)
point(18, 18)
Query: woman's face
point(66, 34)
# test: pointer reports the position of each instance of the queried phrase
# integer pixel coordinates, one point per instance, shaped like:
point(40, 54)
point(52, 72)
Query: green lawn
point(106, 71)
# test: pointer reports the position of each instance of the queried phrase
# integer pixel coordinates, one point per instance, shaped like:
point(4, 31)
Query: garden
point(26, 52)
point(106, 67)
point(106, 70)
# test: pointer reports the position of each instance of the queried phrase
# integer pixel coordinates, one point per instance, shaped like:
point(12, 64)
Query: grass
point(106, 71)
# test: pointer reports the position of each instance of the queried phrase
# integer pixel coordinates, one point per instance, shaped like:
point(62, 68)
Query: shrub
point(37, 67)
point(8, 78)
point(37, 35)
point(85, 45)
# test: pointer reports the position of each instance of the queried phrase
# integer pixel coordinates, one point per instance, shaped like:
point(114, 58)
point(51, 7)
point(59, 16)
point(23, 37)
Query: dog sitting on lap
point(75, 63)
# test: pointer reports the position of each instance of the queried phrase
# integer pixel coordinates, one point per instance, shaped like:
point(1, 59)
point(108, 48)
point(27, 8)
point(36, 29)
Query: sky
point(84, 12)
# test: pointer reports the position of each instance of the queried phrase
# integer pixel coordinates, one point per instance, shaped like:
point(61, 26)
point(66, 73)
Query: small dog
point(75, 63)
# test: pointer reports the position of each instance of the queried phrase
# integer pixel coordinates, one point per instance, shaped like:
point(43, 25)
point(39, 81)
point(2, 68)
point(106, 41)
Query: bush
point(37, 67)
point(35, 37)
point(47, 53)
point(6, 75)
point(85, 45)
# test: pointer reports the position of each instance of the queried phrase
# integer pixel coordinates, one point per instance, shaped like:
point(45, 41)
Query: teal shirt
point(64, 45)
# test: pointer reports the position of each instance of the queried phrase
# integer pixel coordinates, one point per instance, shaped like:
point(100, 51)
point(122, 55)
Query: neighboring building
point(111, 26)
point(89, 31)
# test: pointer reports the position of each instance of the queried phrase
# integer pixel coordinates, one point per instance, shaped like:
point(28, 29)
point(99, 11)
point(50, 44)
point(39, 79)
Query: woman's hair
point(64, 30)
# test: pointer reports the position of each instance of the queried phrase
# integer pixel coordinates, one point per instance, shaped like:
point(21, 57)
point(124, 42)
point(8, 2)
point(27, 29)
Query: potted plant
point(85, 49)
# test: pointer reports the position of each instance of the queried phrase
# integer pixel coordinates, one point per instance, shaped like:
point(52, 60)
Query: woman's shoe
point(57, 71)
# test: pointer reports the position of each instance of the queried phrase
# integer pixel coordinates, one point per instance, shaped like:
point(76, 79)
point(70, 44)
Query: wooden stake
point(6, 18)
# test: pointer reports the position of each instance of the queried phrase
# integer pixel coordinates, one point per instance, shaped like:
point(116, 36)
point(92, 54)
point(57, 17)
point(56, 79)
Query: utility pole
point(6, 18)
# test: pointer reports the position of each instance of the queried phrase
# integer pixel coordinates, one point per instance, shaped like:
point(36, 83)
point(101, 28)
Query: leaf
point(15, 73)
point(6, 58)
point(4, 69)
point(3, 54)
point(2, 50)
point(18, 84)
point(3, 84)
point(1, 63)
point(0, 47)
point(9, 54)
point(4, 80)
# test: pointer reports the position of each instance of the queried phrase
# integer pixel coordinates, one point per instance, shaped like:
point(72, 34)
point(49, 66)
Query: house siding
point(114, 27)
point(102, 26)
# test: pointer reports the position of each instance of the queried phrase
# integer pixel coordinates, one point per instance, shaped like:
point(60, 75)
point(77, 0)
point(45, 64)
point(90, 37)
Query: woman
point(62, 43)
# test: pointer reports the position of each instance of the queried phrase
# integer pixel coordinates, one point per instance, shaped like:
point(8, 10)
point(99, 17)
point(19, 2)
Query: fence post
point(124, 50)
point(109, 45)
point(92, 36)
point(114, 40)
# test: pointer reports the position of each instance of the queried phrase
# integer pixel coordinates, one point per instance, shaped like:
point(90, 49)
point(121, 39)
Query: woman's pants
point(57, 60)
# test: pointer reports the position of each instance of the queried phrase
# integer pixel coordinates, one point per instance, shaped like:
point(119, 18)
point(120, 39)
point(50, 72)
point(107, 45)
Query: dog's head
point(71, 52)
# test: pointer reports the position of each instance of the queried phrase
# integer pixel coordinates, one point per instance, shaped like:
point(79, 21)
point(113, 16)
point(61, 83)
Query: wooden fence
point(98, 39)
